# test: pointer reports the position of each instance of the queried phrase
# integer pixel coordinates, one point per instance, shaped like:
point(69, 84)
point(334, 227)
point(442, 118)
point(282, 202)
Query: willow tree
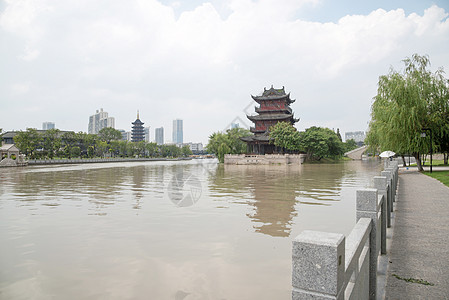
point(407, 103)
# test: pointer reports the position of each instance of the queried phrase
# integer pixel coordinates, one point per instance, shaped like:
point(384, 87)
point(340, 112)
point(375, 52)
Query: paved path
point(420, 244)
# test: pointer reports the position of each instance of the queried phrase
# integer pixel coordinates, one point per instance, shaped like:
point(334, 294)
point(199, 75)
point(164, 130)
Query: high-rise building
point(137, 132)
point(48, 125)
point(357, 136)
point(159, 135)
point(99, 121)
point(177, 131)
point(146, 131)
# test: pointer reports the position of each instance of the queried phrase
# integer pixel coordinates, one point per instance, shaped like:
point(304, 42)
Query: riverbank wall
point(333, 266)
point(32, 162)
point(267, 159)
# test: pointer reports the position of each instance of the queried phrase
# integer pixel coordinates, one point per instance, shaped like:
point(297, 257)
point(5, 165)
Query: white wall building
point(99, 121)
point(146, 131)
point(159, 135)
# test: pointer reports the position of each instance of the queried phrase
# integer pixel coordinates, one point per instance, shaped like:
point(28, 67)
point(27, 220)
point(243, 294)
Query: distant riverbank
point(97, 160)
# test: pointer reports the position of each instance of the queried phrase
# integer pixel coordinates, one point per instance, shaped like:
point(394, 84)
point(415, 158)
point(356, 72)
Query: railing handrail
point(345, 257)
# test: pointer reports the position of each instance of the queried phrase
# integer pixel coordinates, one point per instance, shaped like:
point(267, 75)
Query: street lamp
point(423, 134)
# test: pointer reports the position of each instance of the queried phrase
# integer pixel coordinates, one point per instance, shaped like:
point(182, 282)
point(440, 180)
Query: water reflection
point(114, 231)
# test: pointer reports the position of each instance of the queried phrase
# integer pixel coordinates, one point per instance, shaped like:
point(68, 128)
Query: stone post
point(318, 265)
point(367, 208)
point(380, 183)
point(393, 180)
point(389, 190)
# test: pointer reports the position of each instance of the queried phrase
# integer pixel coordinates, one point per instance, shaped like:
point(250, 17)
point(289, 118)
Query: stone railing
point(332, 266)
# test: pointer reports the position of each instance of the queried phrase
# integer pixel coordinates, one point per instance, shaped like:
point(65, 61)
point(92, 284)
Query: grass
point(435, 162)
point(442, 176)
point(414, 280)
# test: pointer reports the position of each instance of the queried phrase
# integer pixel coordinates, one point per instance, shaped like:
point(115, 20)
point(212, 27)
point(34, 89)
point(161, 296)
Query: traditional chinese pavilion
point(274, 107)
point(137, 132)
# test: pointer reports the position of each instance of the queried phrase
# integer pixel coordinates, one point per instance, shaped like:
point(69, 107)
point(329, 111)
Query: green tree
point(140, 148)
point(320, 142)
point(222, 150)
point(405, 104)
point(227, 143)
point(185, 151)
point(69, 140)
point(285, 135)
point(123, 148)
point(152, 149)
point(114, 147)
point(350, 145)
point(101, 148)
point(109, 134)
point(170, 150)
point(90, 143)
point(28, 141)
point(236, 145)
point(52, 141)
point(76, 151)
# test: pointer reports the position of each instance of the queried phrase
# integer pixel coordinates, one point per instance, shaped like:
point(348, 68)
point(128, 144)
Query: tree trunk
point(445, 156)
point(418, 161)
point(404, 164)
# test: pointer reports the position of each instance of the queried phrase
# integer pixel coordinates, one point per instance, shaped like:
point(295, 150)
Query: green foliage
point(70, 144)
point(227, 143)
point(286, 136)
point(185, 151)
point(349, 145)
point(152, 149)
point(28, 141)
point(52, 142)
point(101, 148)
point(75, 151)
point(405, 104)
point(109, 134)
point(170, 150)
point(320, 142)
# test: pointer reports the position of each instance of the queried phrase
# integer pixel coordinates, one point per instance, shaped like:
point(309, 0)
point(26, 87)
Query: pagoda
point(274, 107)
point(137, 132)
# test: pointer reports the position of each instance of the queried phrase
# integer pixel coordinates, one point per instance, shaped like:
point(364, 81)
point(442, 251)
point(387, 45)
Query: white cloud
point(20, 88)
point(201, 66)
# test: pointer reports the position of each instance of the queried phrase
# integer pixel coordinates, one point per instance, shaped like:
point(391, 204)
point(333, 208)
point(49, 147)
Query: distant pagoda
point(137, 132)
point(274, 107)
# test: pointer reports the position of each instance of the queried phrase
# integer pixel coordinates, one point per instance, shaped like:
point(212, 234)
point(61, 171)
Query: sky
point(200, 61)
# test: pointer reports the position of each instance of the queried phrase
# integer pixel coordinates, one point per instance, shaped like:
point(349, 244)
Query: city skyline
point(201, 61)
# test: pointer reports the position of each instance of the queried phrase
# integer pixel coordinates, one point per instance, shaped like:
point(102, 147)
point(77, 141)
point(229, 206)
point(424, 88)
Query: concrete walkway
point(420, 244)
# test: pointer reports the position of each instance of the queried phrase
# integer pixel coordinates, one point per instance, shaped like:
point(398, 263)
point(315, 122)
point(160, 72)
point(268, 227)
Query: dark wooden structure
point(274, 107)
point(137, 132)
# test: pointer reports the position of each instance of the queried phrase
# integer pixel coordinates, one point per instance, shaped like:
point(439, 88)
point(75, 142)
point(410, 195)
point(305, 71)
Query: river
point(166, 230)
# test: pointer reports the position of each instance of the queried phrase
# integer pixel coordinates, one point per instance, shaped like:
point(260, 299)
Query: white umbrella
point(387, 154)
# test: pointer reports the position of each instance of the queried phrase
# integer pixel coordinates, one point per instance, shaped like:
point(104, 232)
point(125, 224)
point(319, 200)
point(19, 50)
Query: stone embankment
point(96, 160)
point(267, 159)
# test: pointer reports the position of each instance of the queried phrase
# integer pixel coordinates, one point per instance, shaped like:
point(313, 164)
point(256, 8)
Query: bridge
point(356, 154)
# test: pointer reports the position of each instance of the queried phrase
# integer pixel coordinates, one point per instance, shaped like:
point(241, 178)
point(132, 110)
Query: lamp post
point(423, 134)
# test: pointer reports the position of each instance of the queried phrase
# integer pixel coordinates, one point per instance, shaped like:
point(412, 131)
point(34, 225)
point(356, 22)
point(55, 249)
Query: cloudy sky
point(200, 61)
